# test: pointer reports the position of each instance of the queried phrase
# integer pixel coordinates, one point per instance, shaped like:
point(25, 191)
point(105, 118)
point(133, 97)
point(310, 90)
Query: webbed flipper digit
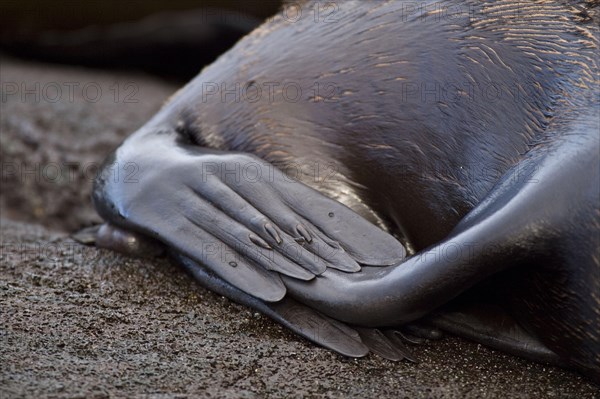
point(340, 225)
point(294, 219)
point(346, 340)
point(385, 344)
point(299, 318)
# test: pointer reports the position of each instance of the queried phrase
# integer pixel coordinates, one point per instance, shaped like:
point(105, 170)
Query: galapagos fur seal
point(471, 136)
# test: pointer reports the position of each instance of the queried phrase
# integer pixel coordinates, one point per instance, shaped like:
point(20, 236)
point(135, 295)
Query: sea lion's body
point(473, 130)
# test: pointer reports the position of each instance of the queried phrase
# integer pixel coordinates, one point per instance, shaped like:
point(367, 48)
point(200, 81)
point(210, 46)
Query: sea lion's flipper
point(323, 226)
point(316, 327)
point(236, 214)
point(336, 223)
point(525, 221)
point(491, 325)
point(386, 343)
point(299, 318)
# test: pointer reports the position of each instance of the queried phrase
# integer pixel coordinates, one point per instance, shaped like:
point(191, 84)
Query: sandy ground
point(79, 322)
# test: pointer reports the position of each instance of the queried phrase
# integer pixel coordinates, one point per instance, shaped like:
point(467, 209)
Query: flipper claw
point(259, 241)
point(273, 233)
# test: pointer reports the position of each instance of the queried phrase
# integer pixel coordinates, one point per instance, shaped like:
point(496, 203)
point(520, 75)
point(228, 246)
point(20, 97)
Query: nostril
point(180, 127)
point(188, 128)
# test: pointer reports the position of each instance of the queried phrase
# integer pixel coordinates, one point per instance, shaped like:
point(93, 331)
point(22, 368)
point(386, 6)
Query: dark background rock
point(32, 16)
point(173, 39)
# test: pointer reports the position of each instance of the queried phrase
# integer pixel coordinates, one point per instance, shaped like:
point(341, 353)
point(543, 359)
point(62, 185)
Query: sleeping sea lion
point(384, 165)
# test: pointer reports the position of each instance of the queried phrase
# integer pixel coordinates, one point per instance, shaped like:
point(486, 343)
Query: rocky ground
point(79, 322)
